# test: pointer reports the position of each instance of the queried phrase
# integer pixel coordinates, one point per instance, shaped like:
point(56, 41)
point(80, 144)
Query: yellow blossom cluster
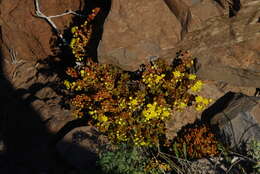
point(154, 163)
point(152, 79)
point(68, 84)
point(77, 86)
point(123, 107)
point(81, 36)
point(139, 140)
point(202, 103)
point(177, 74)
point(121, 136)
point(156, 111)
point(80, 40)
point(192, 76)
point(197, 86)
point(135, 103)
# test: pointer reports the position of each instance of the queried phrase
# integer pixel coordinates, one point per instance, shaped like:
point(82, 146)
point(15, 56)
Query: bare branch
point(67, 13)
point(48, 18)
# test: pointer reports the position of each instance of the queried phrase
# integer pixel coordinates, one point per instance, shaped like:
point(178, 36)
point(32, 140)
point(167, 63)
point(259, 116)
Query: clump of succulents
point(194, 142)
point(131, 108)
point(126, 108)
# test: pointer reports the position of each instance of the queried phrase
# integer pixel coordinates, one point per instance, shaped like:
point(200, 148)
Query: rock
point(235, 117)
point(213, 90)
point(227, 48)
point(135, 30)
point(192, 14)
point(210, 165)
point(30, 110)
point(28, 35)
point(81, 146)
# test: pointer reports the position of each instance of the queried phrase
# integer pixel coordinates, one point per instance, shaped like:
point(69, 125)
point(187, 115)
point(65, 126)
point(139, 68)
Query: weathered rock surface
point(30, 111)
point(234, 115)
point(30, 116)
point(136, 30)
point(192, 13)
point(28, 35)
point(213, 90)
point(228, 48)
point(81, 146)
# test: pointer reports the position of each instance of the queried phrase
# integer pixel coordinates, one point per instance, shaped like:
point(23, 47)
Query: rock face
point(235, 116)
point(81, 146)
point(192, 13)
point(30, 110)
point(227, 48)
point(28, 35)
point(136, 30)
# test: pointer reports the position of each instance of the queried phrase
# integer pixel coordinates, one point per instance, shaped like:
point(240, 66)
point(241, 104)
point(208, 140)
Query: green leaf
point(175, 150)
point(185, 150)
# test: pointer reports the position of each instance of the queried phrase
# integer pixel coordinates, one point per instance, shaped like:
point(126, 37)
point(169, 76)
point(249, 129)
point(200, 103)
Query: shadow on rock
point(27, 146)
point(234, 119)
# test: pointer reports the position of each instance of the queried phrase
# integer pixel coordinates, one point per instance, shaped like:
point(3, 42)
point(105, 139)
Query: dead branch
point(48, 18)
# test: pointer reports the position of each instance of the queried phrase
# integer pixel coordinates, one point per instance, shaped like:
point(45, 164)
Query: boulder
point(213, 90)
point(81, 146)
point(135, 30)
point(235, 115)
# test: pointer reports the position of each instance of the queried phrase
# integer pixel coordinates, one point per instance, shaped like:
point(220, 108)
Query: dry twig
point(49, 18)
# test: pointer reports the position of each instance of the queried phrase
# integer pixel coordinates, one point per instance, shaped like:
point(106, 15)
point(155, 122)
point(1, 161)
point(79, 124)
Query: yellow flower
point(205, 101)
point(165, 113)
point(199, 107)
point(92, 112)
point(72, 42)
point(74, 29)
point(192, 76)
point(82, 73)
point(67, 84)
point(134, 102)
point(177, 74)
point(197, 86)
point(199, 99)
point(182, 105)
point(102, 118)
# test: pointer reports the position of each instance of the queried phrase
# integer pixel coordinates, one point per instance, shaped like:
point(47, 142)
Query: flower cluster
point(155, 164)
point(202, 103)
point(133, 110)
point(81, 36)
point(196, 142)
point(197, 86)
point(152, 79)
point(153, 111)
